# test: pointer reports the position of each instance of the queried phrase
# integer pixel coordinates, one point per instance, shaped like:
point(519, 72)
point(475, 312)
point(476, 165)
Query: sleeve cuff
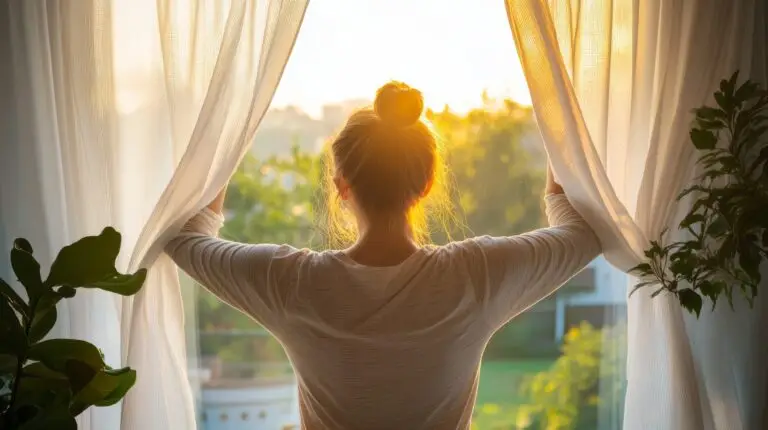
point(205, 222)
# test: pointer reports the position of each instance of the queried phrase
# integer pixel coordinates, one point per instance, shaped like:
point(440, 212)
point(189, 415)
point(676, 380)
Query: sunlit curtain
point(613, 84)
point(132, 113)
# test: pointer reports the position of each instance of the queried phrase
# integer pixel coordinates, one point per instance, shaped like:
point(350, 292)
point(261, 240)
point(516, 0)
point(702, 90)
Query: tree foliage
point(565, 395)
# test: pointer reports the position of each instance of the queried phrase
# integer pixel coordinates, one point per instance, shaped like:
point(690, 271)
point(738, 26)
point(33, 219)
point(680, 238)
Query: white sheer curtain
point(132, 113)
point(613, 83)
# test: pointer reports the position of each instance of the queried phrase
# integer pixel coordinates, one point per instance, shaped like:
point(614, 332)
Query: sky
point(452, 50)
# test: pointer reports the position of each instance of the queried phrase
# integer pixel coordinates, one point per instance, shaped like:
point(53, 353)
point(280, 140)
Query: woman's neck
point(383, 242)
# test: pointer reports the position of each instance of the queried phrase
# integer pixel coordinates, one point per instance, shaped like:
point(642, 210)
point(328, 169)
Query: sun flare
point(452, 51)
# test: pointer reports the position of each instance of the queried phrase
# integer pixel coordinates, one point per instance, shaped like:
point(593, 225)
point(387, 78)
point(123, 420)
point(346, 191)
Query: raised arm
point(241, 275)
point(521, 270)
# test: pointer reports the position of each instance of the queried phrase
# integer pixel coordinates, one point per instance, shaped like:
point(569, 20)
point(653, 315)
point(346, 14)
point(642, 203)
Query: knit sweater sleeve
point(245, 276)
point(518, 271)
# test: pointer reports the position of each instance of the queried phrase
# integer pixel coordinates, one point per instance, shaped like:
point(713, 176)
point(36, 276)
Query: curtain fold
point(132, 113)
point(230, 92)
point(613, 83)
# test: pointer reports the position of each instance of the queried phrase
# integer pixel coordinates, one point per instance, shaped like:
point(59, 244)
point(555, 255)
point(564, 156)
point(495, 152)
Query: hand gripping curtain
point(132, 113)
point(613, 83)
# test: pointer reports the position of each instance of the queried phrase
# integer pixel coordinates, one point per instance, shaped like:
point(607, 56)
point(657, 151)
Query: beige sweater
point(393, 348)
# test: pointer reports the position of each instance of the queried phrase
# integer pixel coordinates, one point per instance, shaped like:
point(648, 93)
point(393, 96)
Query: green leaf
point(12, 336)
point(24, 245)
point(642, 268)
point(711, 290)
point(682, 267)
point(79, 374)
point(718, 226)
point(14, 298)
point(59, 419)
point(707, 113)
point(689, 190)
point(690, 300)
point(125, 285)
point(7, 363)
point(105, 388)
point(66, 292)
point(42, 324)
point(89, 260)
point(27, 271)
point(703, 139)
point(55, 353)
point(749, 260)
point(724, 101)
point(692, 218)
point(40, 392)
point(746, 91)
point(41, 371)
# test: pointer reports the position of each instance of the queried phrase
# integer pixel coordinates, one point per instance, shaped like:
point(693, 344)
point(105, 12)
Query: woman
point(387, 334)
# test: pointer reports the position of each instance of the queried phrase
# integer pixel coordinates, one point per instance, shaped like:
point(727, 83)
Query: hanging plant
point(44, 384)
point(726, 229)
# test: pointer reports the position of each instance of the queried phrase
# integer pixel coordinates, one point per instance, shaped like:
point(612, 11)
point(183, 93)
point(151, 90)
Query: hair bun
point(398, 104)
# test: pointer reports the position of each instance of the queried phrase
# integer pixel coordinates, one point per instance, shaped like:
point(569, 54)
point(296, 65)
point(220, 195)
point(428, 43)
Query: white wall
point(610, 290)
point(269, 407)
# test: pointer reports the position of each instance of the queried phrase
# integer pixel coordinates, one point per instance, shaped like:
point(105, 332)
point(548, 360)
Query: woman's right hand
point(552, 187)
point(217, 205)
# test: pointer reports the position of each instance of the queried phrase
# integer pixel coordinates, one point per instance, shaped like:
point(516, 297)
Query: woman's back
point(375, 348)
point(395, 347)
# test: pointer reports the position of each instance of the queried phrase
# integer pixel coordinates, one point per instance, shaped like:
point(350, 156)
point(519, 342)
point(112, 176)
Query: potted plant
point(725, 232)
point(45, 383)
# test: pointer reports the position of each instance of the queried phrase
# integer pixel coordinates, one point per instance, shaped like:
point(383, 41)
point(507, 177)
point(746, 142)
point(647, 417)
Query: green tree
point(569, 394)
point(498, 166)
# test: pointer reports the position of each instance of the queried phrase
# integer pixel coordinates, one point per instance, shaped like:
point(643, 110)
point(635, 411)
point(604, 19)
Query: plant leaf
point(27, 270)
point(40, 370)
point(692, 218)
point(14, 298)
point(642, 268)
point(703, 139)
point(690, 300)
point(711, 290)
point(7, 363)
point(718, 227)
point(125, 285)
point(12, 336)
point(90, 259)
point(59, 419)
point(55, 353)
point(42, 324)
point(105, 388)
point(709, 114)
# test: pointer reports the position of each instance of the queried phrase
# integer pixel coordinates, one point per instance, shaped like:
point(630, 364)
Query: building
point(598, 295)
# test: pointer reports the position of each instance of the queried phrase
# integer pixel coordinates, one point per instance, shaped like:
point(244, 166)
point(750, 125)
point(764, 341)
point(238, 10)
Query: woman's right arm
point(244, 276)
point(524, 269)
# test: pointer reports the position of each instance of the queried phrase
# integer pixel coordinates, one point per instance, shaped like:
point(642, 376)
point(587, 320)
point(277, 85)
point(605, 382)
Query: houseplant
point(724, 236)
point(44, 384)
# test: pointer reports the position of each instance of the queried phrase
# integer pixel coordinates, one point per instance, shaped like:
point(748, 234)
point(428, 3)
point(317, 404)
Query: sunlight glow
point(452, 50)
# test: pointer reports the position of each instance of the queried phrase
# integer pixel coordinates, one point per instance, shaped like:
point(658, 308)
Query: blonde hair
point(393, 162)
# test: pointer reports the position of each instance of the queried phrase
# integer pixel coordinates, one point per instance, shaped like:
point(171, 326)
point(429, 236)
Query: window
point(560, 362)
